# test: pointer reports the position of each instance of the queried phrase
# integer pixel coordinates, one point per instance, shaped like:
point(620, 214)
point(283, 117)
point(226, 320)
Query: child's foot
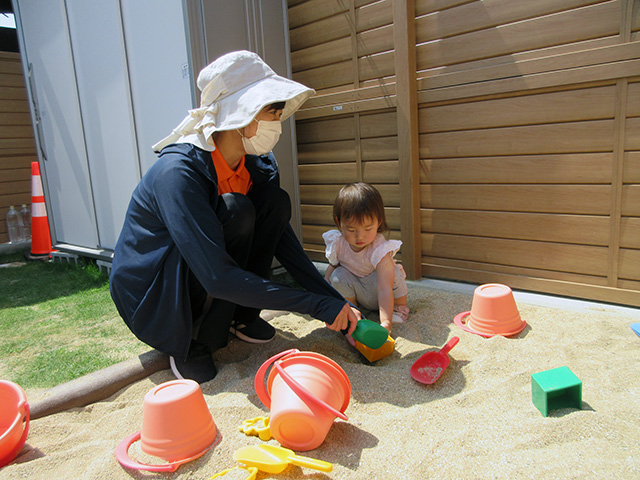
point(400, 313)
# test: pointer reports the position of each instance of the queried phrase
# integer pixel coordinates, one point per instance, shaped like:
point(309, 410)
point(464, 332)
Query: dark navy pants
point(252, 226)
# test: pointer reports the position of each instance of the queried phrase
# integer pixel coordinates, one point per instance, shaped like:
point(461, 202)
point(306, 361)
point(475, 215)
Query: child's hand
point(386, 325)
point(350, 339)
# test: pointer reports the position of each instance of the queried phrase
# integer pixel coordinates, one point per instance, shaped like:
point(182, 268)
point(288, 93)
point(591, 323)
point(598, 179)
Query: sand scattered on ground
point(476, 422)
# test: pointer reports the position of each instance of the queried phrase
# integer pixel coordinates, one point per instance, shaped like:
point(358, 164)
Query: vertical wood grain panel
point(408, 143)
point(17, 143)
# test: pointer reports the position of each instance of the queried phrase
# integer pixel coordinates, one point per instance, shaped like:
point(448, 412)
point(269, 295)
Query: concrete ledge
point(9, 248)
point(98, 385)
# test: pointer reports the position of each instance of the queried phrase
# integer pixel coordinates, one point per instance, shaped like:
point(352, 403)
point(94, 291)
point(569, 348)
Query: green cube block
point(556, 388)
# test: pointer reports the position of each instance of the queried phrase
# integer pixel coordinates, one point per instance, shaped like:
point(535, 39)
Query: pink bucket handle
point(262, 392)
point(25, 417)
point(122, 454)
point(304, 394)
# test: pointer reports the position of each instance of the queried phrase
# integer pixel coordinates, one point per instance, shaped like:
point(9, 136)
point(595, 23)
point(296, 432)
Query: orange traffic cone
point(40, 234)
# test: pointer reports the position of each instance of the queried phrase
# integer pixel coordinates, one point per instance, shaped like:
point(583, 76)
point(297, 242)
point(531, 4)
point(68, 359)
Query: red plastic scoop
point(428, 368)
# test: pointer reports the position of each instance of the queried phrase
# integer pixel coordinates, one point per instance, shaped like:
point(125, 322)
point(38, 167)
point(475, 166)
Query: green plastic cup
point(371, 334)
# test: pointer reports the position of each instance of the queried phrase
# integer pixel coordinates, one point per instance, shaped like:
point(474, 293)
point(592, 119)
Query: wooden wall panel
point(544, 256)
point(329, 152)
point(564, 106)
point(342, 72)
point(564, 283)
point(337, 51)
point(633, 99)
point(369, 43)
point(516, 79)
point(575, 137)
point(559, 228)
point(381, 148)
point(326, 174)
point(524, 151)
point(12, 93)
point(474, 16)
point(341, 173)
point(630, 232)
point(309, 12)
point(632, 134)
point(324, 54)
point(325, 130)
point(378, 125)
point(632, 167)
point(381, 172)
point(548, 169)
point(321, 31)
point(17, 146)
point(629, 264)
point(529, 143)
point(328, 76)
point(631, 200)
point(595, 21)
point(349, 43)
point(629, 255)
point(563, 199)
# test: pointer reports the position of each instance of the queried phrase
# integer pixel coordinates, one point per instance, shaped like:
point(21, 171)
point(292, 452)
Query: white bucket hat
point(235, 87)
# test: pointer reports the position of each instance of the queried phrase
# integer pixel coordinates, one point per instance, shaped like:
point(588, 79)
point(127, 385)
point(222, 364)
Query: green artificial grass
point(58, 322)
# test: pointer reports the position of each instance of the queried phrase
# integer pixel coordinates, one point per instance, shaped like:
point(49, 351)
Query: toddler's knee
point(336, 279)
point(339, 279)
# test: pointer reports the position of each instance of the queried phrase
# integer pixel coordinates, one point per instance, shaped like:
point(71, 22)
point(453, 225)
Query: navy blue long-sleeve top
point(171, 227)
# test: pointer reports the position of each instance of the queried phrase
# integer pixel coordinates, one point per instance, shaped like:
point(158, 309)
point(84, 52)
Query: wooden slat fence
point(17, 145)
point(504, 135)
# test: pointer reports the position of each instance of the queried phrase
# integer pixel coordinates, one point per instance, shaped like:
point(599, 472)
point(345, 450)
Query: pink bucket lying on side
point(305, 391)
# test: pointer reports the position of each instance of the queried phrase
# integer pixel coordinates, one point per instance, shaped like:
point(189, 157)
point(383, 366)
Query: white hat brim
point(240, 108)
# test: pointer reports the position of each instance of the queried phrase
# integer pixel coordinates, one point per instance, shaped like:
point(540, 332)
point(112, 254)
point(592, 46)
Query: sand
point(476, 422)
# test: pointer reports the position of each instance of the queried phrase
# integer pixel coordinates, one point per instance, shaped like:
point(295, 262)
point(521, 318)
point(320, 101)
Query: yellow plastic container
point(376, 354)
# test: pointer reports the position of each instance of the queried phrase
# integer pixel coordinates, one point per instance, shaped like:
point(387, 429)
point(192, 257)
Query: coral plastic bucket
point(14, 421)
point(305, 391)
point(493, 312)
point(177, 426)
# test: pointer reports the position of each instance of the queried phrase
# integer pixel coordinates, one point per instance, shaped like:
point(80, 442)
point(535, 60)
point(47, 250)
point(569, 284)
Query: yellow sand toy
point(376, 354)
point(272, 459)
point(258, 427)
point(236, 473)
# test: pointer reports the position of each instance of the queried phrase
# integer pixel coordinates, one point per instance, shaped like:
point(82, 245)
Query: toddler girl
point(361, 264)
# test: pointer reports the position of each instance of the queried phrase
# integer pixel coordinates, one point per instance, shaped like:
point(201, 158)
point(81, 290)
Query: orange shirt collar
point(229, 180)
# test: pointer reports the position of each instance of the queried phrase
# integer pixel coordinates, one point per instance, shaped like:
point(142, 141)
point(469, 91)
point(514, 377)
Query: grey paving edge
point(99, 385)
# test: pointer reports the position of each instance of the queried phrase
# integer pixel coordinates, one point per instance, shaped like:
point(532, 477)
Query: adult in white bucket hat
point(194, 255)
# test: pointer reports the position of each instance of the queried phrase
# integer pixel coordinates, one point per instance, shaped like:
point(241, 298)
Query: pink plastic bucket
point(493, 312)
point(305, 391)
point(176, 426)
point(14, 421)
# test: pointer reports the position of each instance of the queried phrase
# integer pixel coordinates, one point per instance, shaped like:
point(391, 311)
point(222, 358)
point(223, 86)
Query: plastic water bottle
point(15, 225)
point(25, 212)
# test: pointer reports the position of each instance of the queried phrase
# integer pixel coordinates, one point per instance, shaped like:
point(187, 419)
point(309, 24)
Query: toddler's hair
point(359, 201)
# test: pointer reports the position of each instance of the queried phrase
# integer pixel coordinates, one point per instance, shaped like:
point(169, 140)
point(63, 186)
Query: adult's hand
point(347, 318)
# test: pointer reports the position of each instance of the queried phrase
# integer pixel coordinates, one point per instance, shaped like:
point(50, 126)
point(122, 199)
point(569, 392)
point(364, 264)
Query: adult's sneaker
point(258, 331)
point(198, 366)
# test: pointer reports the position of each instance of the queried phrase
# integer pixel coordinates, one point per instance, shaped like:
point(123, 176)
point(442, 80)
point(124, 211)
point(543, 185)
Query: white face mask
point(266, 137)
